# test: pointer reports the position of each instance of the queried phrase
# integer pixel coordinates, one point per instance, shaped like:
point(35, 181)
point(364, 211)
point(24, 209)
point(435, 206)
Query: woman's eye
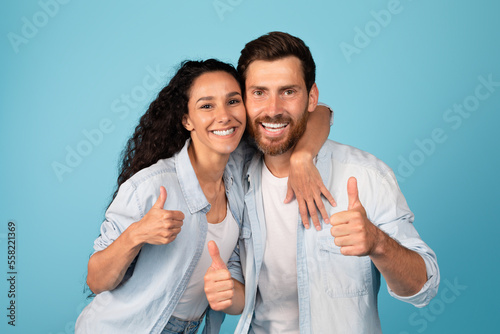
point(206, 106)
point(234, 101)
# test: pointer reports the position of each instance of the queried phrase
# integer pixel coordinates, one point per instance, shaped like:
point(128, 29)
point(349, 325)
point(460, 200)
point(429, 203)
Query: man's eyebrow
point(257, 87)
point(280, 88)
point(289, 87)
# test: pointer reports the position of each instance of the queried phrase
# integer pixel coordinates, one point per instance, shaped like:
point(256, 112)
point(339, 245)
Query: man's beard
point(278, 146)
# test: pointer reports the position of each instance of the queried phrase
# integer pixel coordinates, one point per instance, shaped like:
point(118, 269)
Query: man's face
point(277, 103)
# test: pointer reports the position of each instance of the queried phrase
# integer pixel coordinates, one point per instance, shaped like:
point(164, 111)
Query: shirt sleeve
point(395, 218)
point(331, 111)
point(234, 265)
point(237, 163)
point(123, 211)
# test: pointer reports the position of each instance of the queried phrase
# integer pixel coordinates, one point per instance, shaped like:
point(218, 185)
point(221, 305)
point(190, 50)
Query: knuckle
point(357, 215)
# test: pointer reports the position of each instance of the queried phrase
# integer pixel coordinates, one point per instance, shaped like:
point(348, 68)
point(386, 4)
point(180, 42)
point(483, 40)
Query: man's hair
point(277, 45)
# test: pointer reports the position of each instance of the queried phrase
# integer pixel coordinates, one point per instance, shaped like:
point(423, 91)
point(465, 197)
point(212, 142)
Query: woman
point(180, 149)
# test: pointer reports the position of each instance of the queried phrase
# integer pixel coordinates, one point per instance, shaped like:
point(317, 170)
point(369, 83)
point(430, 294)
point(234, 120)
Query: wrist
point(300, 157)
point(133, 235)
point(382, 243)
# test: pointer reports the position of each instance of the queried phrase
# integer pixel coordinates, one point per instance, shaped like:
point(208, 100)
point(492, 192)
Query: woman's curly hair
point(160, 133)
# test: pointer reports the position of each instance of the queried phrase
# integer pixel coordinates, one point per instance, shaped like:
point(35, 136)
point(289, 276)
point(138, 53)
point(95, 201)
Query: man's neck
point(278, 165)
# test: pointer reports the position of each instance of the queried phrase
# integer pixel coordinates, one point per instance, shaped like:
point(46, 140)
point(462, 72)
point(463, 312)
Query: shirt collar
point(191, 189)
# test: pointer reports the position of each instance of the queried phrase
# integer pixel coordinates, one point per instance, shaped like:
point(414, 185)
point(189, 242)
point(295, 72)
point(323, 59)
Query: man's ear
point(313, 98)
point(187, 122)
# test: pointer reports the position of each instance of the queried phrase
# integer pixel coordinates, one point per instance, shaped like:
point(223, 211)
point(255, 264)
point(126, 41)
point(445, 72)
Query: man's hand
point(353, 232)
point(158, 226)
point(305, 182)
point(219, 286)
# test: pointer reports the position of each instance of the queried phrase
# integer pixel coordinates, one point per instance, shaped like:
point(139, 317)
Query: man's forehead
point(261, 72)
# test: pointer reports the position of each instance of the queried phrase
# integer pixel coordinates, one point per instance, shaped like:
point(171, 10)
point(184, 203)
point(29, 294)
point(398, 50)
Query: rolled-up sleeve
point(331, 111)
point(234, 265)
point(123, 211)
point(402, 230)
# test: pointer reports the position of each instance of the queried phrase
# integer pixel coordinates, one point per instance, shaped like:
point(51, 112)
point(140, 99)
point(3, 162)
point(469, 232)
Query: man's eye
point(258, 93)
point(289, 92)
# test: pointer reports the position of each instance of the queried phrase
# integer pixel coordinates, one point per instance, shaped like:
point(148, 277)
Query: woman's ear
point(187, 122)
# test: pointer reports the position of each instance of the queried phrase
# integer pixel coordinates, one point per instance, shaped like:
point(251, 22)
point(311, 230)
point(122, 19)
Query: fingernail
point(327, 221)
point(318, 228)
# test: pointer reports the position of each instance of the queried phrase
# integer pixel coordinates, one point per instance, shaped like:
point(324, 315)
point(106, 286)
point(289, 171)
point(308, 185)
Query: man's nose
point(274, 106)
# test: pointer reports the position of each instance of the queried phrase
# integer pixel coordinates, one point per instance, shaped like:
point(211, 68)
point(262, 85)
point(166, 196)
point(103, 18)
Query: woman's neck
point(209, 169)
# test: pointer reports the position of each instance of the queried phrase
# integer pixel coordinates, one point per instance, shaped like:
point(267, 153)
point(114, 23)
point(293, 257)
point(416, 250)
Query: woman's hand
point(305, 182)
point(107, 267)
point(223, 292)
point(158, 226)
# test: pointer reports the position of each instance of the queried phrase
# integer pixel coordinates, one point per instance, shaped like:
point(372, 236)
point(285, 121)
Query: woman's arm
point(304, 180)
point(107, 267)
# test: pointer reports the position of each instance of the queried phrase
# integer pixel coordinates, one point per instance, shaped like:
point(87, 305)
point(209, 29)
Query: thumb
point(352, 193)
point(217, 262)
point(160, 202)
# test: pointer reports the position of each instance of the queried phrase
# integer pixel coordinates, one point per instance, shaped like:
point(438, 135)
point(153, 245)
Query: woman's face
point(216, 114)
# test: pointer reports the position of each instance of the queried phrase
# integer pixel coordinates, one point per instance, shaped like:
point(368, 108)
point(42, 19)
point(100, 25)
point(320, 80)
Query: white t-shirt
point(194, 301)
point(277, 306)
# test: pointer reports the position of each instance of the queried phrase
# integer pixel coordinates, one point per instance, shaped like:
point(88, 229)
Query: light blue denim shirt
point(337, 293)
point(144, 302)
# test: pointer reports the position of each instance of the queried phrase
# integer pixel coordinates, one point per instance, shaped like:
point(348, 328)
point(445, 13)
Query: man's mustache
point(275, 119)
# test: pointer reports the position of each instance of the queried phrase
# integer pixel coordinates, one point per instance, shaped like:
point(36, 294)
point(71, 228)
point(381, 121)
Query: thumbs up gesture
point(158, 226)
point(219, 286)
point(353, 232)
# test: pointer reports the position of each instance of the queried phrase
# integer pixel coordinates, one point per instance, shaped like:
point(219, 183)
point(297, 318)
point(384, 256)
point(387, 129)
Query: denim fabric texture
point(337, 293)
point(145, 301)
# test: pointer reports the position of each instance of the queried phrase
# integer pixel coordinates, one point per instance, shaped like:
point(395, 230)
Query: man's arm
point(403, 269)
point(304, 179)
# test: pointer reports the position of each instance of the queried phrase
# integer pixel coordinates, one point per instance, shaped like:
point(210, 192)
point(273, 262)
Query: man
point(303, 280)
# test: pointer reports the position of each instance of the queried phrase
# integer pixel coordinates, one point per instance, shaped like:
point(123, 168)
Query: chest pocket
point(343, 276)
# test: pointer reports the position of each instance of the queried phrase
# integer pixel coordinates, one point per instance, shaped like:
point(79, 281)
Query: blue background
point(68, 69)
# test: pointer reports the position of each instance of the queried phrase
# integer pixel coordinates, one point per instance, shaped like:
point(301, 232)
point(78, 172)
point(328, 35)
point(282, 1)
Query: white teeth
point(223, 132)
point(274, 127)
